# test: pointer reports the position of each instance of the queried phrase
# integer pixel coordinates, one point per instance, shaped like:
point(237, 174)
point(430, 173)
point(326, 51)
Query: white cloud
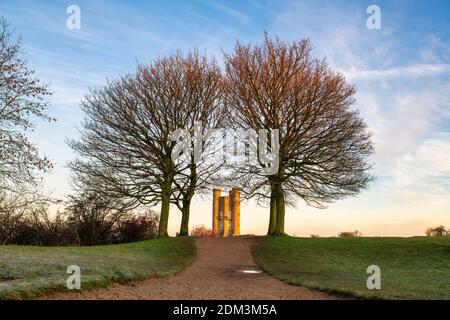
point(233, 13)
point(400, 119)
point(417, 70)
point(426, 169)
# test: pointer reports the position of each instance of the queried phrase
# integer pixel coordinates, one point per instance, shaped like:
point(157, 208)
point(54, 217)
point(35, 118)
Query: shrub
point(350, 234)
point(315, 236)
point(24, 219)
point(41, 230)
point(95, 216)
point(137, 228)
point(201, 231)
point(437, 231)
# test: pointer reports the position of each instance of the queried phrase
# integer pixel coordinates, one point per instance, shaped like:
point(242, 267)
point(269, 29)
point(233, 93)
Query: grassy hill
point(27, 271)
point(411, 268)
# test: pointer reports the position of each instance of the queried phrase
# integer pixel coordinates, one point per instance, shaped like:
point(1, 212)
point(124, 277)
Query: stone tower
point(226, 213)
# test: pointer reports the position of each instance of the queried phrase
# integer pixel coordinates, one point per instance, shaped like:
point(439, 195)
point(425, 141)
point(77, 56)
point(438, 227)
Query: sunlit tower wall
point(215, 209)
point(226, 213)
point(235, 206)
point(226, 216)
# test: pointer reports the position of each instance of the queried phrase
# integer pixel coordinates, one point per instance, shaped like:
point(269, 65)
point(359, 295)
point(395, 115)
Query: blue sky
point(402, 72)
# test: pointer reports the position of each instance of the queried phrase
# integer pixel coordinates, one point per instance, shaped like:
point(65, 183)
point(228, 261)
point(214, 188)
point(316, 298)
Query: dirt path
point(217, 273)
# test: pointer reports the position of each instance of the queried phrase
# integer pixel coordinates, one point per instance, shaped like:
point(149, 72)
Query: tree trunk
point(280, 205)
point(273, 213)
point(187, 197)
point(184, 228)
point(165, 206)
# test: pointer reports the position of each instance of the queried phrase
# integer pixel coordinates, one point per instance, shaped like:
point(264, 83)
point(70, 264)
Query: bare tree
point(22, 100)
point(324, 145)
point(204, 110)
point(127, 140)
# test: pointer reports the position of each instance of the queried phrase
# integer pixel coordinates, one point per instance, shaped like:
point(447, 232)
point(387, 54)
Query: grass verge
point(28, 271)
point(411, 268)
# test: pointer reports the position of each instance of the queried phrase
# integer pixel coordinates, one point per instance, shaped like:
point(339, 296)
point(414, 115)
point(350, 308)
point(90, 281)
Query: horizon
point(401, 71)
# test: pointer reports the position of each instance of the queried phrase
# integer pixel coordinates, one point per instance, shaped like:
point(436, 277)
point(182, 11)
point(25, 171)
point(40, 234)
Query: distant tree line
point(89, 220)
point(437, 231)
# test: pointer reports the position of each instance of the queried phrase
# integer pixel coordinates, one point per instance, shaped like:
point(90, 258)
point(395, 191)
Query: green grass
point(28, 271)
point(411, 268)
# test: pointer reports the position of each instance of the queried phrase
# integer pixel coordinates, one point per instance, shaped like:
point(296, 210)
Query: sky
point(402, 72)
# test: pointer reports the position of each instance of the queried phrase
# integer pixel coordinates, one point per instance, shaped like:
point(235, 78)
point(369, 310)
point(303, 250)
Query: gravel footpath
point(217, 273)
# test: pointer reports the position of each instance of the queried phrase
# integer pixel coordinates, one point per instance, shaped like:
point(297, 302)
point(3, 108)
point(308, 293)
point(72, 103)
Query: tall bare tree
point(204, 110)
point(127, 140)
point(22, 100)
point(324, 145)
